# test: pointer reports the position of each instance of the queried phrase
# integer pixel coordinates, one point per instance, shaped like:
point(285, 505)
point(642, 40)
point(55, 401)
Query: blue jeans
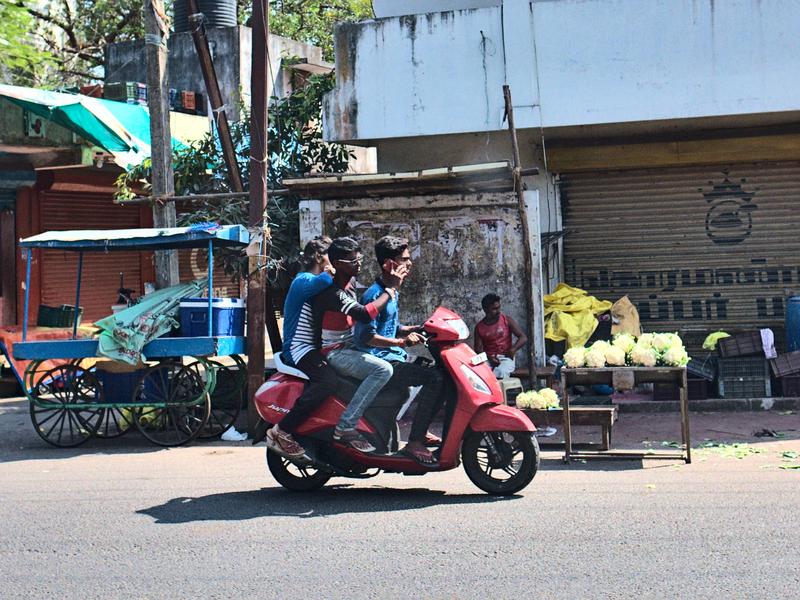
point(373, 372)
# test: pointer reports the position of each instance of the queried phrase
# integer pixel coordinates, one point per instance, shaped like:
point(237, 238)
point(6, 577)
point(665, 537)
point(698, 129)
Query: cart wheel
point(175, 404)
point(55, 406)
point(226, 396)
point(114, 423)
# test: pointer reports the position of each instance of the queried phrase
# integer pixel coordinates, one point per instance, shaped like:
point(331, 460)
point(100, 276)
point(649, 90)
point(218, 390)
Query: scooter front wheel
point(293, 476)
point(500, 462)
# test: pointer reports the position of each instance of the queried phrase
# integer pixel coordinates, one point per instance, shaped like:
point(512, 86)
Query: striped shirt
point(298, 315)
point(335, 311)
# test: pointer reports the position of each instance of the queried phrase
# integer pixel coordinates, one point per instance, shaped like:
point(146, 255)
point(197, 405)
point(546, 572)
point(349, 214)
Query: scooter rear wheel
point(500, 463)
point(294, 477)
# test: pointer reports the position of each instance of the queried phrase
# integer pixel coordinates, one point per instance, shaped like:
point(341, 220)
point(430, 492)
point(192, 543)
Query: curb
point(712, 405)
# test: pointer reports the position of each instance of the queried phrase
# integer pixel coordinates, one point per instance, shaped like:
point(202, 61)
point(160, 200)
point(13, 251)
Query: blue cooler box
point(228, 317)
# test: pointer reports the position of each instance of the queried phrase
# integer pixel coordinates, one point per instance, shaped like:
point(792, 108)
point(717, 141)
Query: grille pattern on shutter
point(695, 248)
point(100, 280)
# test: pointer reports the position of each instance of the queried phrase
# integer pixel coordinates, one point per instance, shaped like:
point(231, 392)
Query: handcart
point(181, 392)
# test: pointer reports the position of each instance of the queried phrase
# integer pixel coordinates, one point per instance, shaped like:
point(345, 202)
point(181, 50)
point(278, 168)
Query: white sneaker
point(546, 432)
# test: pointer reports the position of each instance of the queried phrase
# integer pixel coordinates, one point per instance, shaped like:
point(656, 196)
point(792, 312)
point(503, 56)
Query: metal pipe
point(195, 197)
point(77, 297)
point(210, 288)
point(27, 294)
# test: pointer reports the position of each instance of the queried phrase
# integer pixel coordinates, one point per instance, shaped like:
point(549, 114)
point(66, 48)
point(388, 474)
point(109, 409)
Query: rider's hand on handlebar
point(412, 339)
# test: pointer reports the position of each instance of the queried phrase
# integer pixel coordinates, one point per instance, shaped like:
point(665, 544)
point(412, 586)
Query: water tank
point(793, 323)
point(219, 13)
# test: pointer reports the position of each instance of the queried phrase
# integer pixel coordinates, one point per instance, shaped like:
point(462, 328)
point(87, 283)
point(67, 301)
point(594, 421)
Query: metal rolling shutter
point(100, 281)
point(696, 248)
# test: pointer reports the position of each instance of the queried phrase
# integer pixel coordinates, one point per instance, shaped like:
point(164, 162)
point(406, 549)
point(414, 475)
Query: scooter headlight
point(460, 328)
point(478, 384)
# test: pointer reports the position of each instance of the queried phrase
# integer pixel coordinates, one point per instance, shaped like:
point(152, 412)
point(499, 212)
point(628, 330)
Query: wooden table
point(588, 416)
point(623, 378)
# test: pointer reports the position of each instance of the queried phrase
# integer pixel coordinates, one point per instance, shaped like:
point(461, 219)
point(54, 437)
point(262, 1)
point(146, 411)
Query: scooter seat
point(282, 367)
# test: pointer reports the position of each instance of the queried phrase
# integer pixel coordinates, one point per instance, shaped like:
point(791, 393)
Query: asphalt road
point(123, 519)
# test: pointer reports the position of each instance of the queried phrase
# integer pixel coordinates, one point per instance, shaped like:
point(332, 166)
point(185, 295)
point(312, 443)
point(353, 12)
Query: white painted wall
point(394, 8)
point(590, 62)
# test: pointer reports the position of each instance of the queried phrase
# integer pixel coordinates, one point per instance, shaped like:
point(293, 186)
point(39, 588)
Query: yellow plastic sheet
point(570, 315)
point(711, 341)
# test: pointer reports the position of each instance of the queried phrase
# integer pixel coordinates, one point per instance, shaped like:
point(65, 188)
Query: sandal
point(284, 444)
point(422, 457)
point(353, 439)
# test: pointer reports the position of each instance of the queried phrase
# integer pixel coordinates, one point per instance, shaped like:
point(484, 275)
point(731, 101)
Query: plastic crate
point(697, 389)
point(743, 366)
point(744, 387)
point(58, 316)
point(741, 344)
point(790, 386)
point(786, 364)
point(118, 387)
point(705, 368)
point(188, 100)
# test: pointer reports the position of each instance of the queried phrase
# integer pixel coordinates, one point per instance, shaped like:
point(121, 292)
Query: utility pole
point(257, 282)
point(155, 44)
point(196, 19)
point(532, 276)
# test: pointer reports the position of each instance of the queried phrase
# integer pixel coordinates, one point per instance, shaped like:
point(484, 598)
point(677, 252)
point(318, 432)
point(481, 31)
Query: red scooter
point(494, 441)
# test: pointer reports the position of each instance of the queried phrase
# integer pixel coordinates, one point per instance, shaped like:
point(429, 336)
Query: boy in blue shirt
point(299, 349)
point(385, 338)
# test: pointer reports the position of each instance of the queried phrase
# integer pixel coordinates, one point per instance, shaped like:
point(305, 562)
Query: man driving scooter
point(385, 338)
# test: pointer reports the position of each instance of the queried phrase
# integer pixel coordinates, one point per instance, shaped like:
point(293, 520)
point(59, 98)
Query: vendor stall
point(167, 397)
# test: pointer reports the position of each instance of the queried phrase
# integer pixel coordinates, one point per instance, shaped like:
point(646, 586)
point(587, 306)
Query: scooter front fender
point(499, 417)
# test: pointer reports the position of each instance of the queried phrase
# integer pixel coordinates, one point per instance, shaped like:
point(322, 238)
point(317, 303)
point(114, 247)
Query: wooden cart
point(170, 400)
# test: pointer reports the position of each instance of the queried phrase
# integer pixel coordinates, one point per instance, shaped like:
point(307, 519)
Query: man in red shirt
point(494, 335)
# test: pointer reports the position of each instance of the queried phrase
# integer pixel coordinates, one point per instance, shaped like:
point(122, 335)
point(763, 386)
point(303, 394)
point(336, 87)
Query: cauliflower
point(575, 357)
point(550, 397)
point(615, 356)
point(676, 341)
point(662, 341)
point(646, 340)
point(600, 345)
point(675, 357)
point(523, 400)
point(643, 356)
point(595, 358)
point(625, 342)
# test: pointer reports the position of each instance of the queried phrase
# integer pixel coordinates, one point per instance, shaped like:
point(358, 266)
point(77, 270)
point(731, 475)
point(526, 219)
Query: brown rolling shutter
point(100, 281)
point(695, 248)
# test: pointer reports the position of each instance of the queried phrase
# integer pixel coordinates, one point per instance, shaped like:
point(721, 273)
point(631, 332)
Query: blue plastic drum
point(793, 323)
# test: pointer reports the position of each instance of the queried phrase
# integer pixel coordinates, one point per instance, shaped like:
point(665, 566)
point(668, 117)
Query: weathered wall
point(411, 154)
point(12, 131)
point(568, 62)
point(394, 8)
point(463, 246)
point(231, 48)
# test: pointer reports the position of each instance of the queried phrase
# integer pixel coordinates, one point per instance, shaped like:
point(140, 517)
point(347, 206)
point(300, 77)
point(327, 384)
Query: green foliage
point(312, 21)
point(76, 33)
point(16, 54)
point(295, 148)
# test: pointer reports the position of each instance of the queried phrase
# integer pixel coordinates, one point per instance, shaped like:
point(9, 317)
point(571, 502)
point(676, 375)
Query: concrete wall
point(231, 48)
point(410, 154)
point(463, 246)
point(12, 130)
point(395, 8)
point(568, 62)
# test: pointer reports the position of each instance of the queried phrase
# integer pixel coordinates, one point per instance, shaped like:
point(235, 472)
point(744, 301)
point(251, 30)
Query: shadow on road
point(332, 500)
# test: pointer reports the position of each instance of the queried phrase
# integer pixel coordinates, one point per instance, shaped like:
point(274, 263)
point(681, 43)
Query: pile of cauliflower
point(542, 399)
point(650, 350)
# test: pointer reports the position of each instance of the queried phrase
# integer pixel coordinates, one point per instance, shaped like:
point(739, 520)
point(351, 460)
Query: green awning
point(119, 128)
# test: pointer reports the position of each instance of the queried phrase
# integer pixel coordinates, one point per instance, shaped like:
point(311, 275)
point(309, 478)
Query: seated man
point(385, 338)
point(493, 335)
